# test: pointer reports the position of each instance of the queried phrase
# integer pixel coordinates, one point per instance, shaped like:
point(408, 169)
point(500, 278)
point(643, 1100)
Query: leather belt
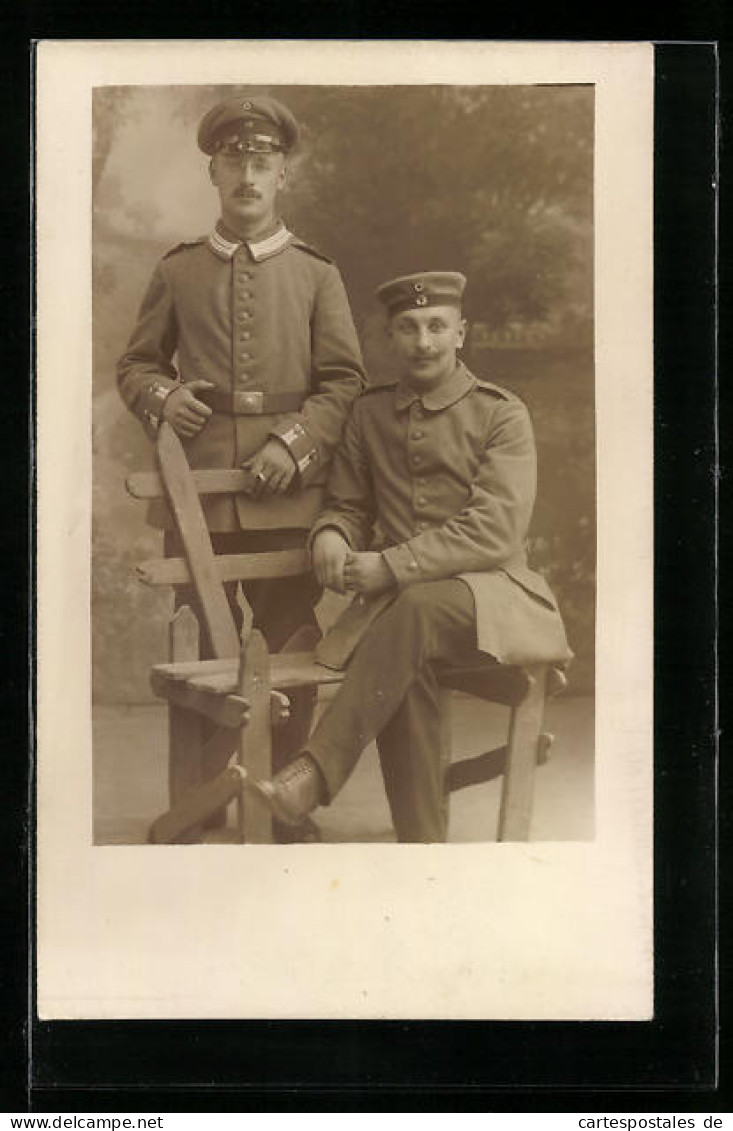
point(250, 402)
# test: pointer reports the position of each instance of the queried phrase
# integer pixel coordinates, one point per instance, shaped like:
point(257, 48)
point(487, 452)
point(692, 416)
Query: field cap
point(427, 288)
point(257, 124)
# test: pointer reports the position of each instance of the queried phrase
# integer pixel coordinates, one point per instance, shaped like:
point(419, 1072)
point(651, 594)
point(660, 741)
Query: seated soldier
point(430, 497)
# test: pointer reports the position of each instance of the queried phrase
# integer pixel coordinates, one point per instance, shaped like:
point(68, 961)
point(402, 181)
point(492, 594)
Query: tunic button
point(418, 435)
point(416, 459)
point(422, 501)
point(245, 336)
point(412, 565)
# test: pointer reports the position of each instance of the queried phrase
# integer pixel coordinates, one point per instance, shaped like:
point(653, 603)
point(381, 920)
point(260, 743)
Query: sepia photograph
point(349, 610)
point(373, 308)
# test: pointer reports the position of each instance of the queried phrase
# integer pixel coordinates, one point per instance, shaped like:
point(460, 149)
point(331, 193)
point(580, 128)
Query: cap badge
point(246, 105)
point(418, 287)
point(421, 300)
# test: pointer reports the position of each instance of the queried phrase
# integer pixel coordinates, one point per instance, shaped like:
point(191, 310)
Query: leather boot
point(293, 793)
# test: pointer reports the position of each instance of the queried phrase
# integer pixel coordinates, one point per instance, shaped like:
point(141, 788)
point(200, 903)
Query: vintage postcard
point(345, 530)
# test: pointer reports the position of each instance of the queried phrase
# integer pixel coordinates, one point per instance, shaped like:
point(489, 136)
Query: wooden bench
point(243, 690)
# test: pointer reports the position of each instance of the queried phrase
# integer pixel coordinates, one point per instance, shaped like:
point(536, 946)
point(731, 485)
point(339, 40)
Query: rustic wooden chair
point(243, 690)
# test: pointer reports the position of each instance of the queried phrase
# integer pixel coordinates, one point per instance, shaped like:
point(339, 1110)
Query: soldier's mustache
point(248, 194)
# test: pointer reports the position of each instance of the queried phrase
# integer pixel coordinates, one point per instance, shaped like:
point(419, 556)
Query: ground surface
point(130, 777)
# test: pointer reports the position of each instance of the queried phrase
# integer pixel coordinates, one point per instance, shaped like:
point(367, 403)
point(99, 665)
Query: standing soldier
point(267, 357)
point(430, 497)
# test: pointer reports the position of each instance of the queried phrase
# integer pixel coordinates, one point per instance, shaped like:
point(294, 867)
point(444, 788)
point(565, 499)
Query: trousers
point(391, 693)
point(280, 606)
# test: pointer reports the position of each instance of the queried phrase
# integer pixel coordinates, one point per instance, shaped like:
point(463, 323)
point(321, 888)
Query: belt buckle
point(250, 403)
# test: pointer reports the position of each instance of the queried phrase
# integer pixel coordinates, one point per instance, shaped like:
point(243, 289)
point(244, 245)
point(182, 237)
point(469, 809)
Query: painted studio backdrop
point(496, 182)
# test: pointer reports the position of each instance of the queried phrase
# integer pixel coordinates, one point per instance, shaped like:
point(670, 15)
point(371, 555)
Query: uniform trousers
point(280, 606)
point(391, 693)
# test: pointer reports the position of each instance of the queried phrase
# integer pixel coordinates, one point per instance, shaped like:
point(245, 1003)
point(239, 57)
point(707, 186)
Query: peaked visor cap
point(256, 123)
point(428, 288)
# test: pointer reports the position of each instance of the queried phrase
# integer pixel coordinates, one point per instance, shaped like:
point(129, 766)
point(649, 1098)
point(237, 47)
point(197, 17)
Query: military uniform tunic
point(268, 319)
point(444, 485)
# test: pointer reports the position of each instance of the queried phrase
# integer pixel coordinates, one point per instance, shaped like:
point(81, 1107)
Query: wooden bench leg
point(525, 725)
point(446, 744)
point(185, 769)
point(255, 747)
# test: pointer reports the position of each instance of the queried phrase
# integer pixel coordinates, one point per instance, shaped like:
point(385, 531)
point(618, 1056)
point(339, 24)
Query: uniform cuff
point(299, 444)
point(403, 563)
point(152, 399)
point(328, 525)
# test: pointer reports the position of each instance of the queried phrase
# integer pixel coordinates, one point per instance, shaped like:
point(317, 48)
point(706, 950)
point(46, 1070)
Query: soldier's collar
point(445, 395)
point(224, 246)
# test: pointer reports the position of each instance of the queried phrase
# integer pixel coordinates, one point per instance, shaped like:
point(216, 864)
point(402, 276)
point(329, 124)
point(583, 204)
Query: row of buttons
point(417, 413)
point(243, 292)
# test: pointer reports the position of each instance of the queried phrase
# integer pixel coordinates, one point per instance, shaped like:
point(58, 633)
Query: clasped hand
point(184, 412)
point(272, 469)
point(339, 568)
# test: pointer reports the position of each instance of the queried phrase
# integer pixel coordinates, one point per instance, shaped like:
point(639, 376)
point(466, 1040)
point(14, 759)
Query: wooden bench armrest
point(226, 567)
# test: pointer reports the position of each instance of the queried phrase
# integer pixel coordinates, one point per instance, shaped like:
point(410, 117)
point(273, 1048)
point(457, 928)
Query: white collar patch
point(259, 250)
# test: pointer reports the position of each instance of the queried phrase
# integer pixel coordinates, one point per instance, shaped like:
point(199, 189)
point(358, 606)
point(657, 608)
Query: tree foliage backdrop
point(494, 181)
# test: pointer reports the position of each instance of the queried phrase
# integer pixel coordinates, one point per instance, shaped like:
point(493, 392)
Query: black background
point(665, 1065)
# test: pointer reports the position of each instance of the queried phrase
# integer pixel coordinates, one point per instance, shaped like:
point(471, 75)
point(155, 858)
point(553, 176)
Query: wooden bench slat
point(297, 512)
point(186, 506)
point(184, 669)
point(228, 567)
point(287, 669)
point(225, 709)
point(220, 683)
point(149, 484)
point(298, 669)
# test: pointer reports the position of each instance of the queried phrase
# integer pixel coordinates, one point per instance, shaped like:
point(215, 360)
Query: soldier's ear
point(212, 172)
point(462, 328)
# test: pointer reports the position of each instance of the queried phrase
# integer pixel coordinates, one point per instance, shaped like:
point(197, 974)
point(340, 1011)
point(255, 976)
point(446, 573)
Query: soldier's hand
point(367, 573)
point(329, 552)
point(272, 467)
point(184, 412)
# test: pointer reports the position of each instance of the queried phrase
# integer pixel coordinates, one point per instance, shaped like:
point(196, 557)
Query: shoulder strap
point(184, 245)
point(495, 390)
point(306, 247)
